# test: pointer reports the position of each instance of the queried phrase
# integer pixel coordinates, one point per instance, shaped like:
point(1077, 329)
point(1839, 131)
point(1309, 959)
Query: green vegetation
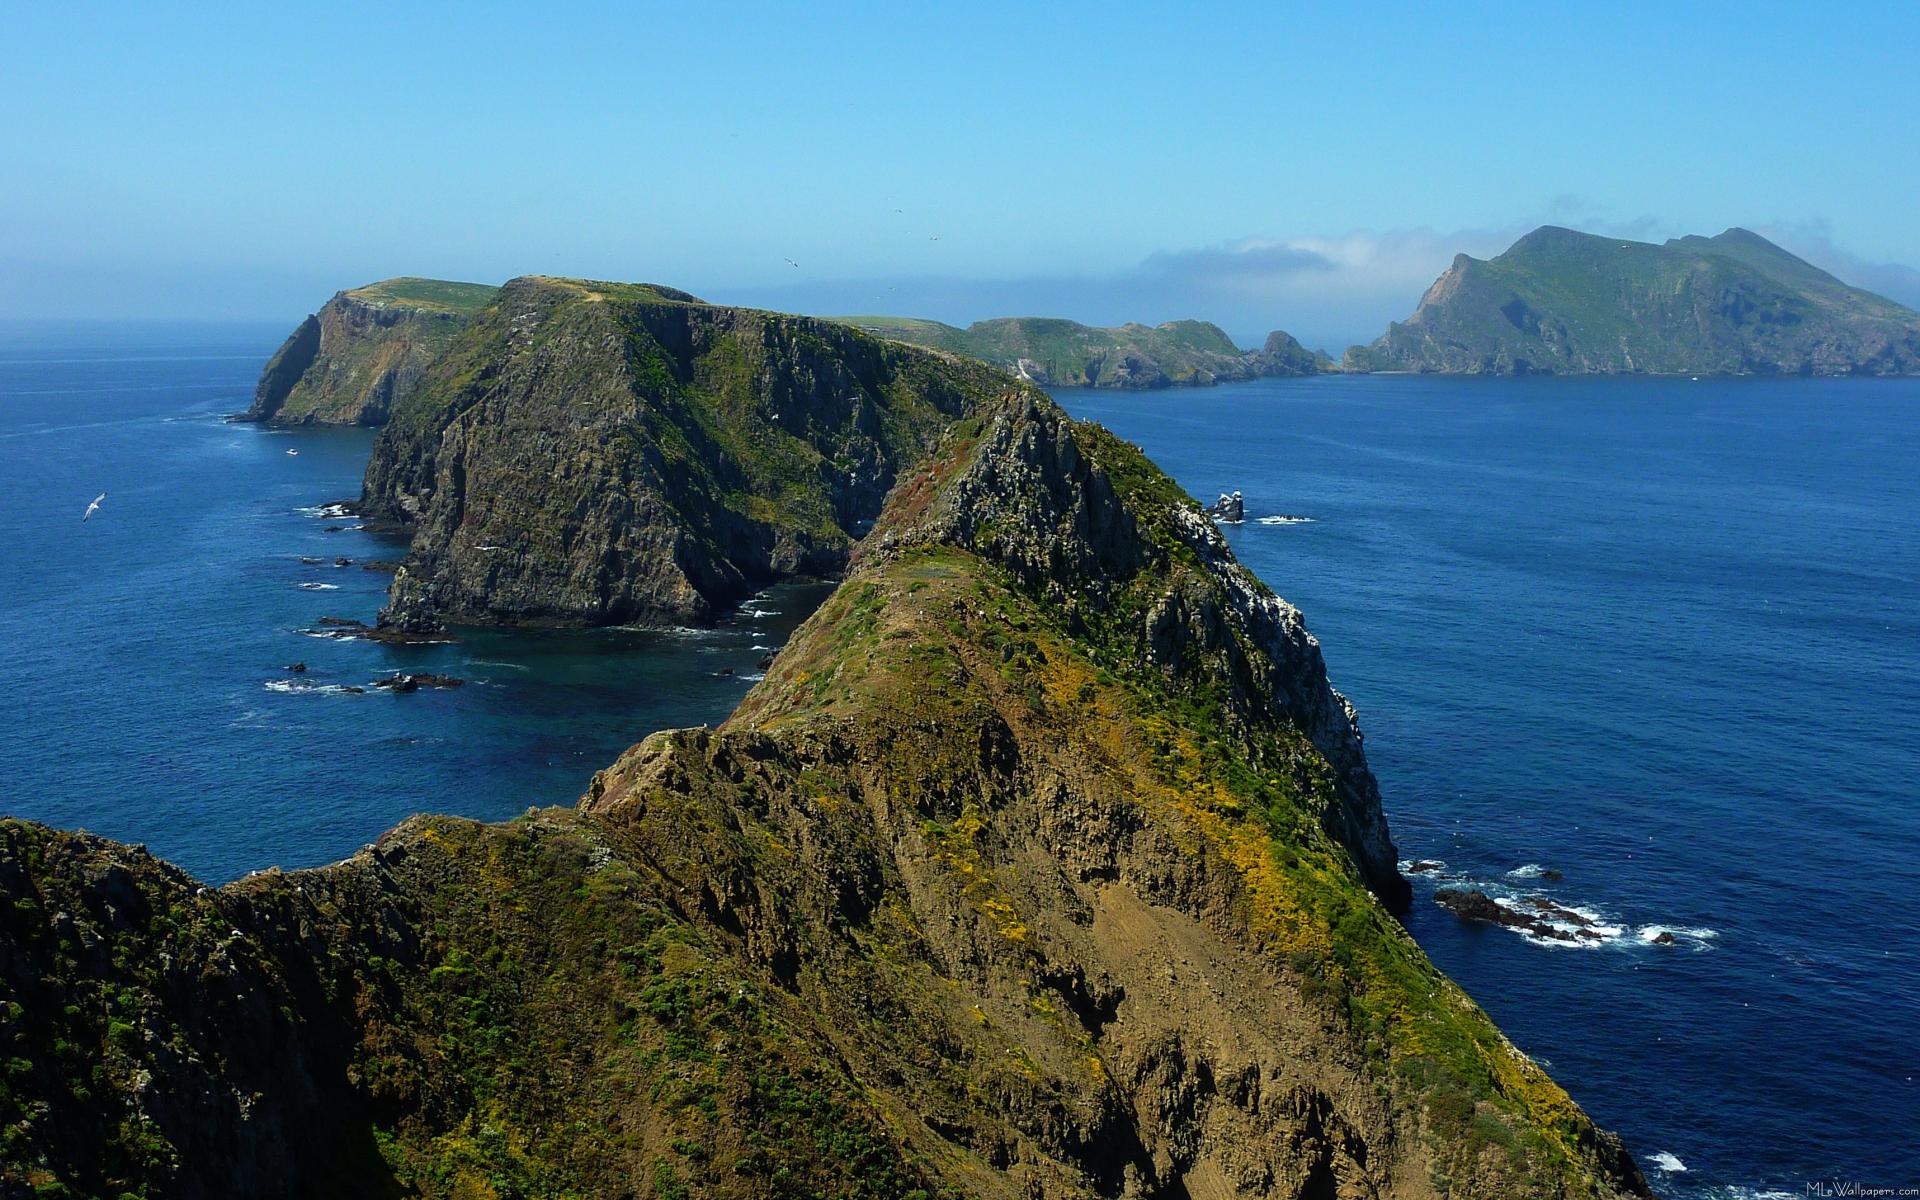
point(439, 294)
point(1564, 302)
point(1009, 880)
point(650, 458)
point(364, 351)
point(1068, 354)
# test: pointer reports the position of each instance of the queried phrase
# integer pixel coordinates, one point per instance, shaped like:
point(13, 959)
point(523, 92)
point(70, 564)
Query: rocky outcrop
point(597, 454)
point(1134, 561)
point(1562, 302)
point(1019, 876)
point(1534, 915)
point(1059, 353)
point(365, 350)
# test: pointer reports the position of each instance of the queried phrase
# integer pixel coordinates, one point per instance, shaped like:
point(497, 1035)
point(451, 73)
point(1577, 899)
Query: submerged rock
point(1473, 905)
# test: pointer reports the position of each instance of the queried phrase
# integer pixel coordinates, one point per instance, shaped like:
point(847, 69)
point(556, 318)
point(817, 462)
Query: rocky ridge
point(1059, 353)
point(1036, 867)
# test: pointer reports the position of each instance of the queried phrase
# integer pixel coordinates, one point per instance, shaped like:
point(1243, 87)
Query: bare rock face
point(595, 454)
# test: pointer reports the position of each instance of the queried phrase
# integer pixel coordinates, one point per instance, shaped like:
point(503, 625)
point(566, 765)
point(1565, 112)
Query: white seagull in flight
point(88, 516)
point(791, 263)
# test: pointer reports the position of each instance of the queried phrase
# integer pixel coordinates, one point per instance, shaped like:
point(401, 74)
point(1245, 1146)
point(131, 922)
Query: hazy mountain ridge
point(1059, 353)
point(1563, 302)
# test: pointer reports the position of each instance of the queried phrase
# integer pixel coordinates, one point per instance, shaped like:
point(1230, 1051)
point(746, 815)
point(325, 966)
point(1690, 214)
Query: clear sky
point(1309, 169)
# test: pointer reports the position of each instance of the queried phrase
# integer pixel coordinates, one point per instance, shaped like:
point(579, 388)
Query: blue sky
point(1309, 168)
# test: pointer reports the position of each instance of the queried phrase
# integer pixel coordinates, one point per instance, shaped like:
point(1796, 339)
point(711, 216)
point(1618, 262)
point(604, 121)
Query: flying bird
point(791, 263)
point(92, 508)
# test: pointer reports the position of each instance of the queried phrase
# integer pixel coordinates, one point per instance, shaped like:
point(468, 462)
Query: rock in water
point(1035, 869)
point(1229, 509)
point(597, 454)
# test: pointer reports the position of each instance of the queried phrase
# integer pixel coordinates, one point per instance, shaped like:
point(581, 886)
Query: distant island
point(1563, 302)
point(349, 363)
point(1058, 353)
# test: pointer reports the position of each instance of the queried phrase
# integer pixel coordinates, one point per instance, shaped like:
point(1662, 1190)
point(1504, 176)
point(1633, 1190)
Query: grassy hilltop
point(1563, 302)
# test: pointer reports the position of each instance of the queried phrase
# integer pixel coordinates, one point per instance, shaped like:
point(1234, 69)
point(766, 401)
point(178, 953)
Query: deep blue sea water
point(1660, 636)
point(143, 685)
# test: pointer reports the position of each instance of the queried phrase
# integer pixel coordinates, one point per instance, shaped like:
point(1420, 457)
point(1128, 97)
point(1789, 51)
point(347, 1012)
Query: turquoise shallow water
point(1658, 636)
point(1662, 637)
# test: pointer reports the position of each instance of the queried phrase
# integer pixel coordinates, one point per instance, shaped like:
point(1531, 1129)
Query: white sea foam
point(318, 587)
point(754, 678)
point(1664, 1161)
point(494, 662)
point(332, 512)
point(1697, 938)
point(677, 631)
point(1527, 871)
point(1283, 520)
point(296, 687)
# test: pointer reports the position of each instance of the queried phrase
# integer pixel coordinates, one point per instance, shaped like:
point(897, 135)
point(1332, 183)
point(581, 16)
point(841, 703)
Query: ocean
point(144, 684)
point(1658, 637)
point(1647, 647)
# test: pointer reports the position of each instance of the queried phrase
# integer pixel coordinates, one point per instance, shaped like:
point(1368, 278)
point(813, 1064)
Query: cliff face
point(996, 886)
point(1059, 353)
point(592, 454)
point(365, 349)
point(1561, 302)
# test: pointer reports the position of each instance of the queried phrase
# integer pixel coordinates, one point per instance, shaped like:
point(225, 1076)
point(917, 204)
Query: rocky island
point(1563, 302)
point(596, 454)
point(1043, 863)
point(363, 352)
point(1059, 353)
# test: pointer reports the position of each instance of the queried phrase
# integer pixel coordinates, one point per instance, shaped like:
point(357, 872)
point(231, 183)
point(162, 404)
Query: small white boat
point(293, 452)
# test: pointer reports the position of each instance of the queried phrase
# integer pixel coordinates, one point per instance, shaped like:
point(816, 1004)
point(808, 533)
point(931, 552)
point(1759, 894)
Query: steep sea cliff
point(936, 909)
point(602, 454)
